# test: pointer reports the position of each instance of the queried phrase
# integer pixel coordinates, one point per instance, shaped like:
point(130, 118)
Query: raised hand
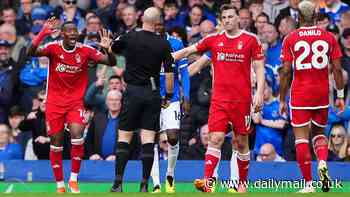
point(106, 39)
point(50, 25)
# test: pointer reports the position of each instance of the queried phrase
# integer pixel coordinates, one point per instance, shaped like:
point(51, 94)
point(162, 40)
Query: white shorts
point(170, 117)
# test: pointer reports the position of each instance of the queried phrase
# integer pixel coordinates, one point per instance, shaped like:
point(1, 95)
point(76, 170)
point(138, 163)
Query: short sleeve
point(257, 49)
point(94, 54)
point(286, 53)
point(335, 52)
point(47, 49)
point(204, 44)
point(119, 44)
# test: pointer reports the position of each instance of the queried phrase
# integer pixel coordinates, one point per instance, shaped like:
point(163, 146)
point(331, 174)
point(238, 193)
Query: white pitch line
point(9, 189)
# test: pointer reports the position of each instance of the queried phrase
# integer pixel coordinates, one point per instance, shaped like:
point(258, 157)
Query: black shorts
point(140, 109)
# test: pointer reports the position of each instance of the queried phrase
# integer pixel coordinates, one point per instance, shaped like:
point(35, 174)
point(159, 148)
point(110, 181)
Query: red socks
point(77, 154)
point(212, 157)
point(304, 158)
point(243, 166)
point(320, 144)
point(56, 162)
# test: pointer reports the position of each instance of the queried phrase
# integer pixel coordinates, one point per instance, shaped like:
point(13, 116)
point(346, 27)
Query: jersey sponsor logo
point(230, 57)
point(67, 69)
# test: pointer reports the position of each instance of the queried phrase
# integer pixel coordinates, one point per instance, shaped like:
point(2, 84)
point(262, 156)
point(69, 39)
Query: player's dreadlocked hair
point(307, 10)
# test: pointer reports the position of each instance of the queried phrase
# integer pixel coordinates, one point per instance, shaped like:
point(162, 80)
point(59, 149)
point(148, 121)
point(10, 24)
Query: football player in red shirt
point(66, 85)
point(233, 53)
point(307, 53)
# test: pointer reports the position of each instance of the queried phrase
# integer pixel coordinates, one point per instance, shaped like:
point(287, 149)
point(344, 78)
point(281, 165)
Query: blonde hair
point(151, 15)
point(342, 150)
point(307, 10)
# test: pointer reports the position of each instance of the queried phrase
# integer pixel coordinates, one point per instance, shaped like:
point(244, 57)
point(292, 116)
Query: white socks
point(173, 153)
point(155, 167)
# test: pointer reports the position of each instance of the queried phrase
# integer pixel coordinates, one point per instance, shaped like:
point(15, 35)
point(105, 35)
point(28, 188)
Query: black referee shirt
point(145, 52)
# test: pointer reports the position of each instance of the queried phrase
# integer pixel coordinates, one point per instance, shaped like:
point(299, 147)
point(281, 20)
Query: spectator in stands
point(206, 27)
point(25, 19)
point(291, 10)
point(268, 153)
point(345, 60)
point(101, 138)
point(338, 143)
point(96, 99)
point(8, 150)
point(256, 7)
point(171, 15)
point(273, 52)
point(334, 8)
point(270, 124)
point(36, 123)
point(104, 11)
point(32, 79)
point(33, 72)
point(129, 18)
point(245, 19)
point(18, 43)
point(16, 116)
point(7, 83)
point(237, 4)
point(212, 6)
point(261, 20)
point(70, 12)
point(348, 151)
point(323, 20)
point(192, 22)
point(197, 151)
point(90, 35)
point(344, 21)
point(286, 26)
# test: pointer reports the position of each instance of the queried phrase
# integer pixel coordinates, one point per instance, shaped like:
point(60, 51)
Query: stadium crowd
point(23, 79)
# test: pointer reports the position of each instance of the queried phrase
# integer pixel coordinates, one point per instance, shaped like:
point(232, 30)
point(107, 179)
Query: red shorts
point(303, 117)
point(223, 113)
point(57, 116)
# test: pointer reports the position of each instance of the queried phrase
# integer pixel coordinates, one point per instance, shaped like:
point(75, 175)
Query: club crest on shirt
point(77, 58)
point(240, 45)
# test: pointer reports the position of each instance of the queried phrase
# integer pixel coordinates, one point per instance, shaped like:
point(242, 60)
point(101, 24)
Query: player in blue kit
point(171, 113)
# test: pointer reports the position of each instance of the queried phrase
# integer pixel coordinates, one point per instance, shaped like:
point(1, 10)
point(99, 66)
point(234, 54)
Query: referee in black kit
point(145, 53)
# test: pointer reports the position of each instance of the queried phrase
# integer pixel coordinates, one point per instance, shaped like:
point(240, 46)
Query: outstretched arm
point(185, 52)
point(198, 65)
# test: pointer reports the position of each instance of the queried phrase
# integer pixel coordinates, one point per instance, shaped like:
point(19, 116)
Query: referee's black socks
point(122, 157)
point(147, 161)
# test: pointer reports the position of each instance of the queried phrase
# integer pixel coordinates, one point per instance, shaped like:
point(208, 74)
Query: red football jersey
point(232, 59)
point(310, 49)
point(68, 72)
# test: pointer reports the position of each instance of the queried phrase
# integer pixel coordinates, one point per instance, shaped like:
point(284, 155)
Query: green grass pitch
point(102, 189)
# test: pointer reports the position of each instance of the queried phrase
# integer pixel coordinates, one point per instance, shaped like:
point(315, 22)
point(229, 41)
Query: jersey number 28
point(319, 58)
